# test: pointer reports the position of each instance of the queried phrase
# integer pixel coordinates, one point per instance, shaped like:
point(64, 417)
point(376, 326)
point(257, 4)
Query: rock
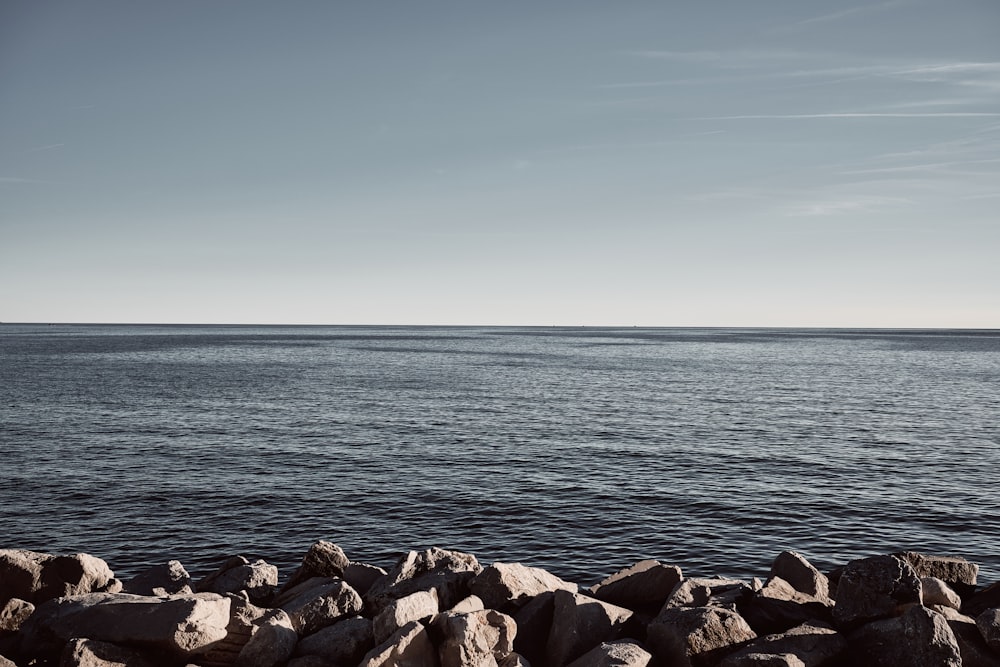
point(272, 644)
point(810, 645)
point(982, 600)
point(258, 579)
point(763, 660)
point(512, 660)
point(957, 572)
point(409, 647)
point(419, 606)
point(614, 654)
point(696, 635)
point(533, 623)
point(36, 577)
point(645, 585)
point(801, 575)
point(344, 643)
point(6, 662)
point(93, 653)
point(362, 577)
point(710, 592)
point(319, 602)
point(933, 591)
point(510, 585)
point(471, 603)
point(243, 621)
point(578, 624)
point(447, 572)
point(475, 639)
point(918, 638)
point(180, 626)
point(971, 645)
point(169, 578)
point(988, 623)
point(778, 607)
point(873, 588)
point(323, 559)
point(13, 614)
point(310, 661)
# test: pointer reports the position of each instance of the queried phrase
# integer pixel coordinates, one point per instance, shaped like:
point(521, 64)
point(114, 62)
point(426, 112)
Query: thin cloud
point(39, 149)
point(847, 205)
point(842, 14)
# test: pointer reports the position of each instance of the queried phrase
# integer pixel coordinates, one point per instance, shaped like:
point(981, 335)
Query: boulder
point(13, 614)
point(874, 588)
point(933, 591)
point(512, 660)
point(344, 643)
point(258, 579)
point(6, 662)
point(763, 660)
point(36, 577)
point(578, 624)
point(419, 606)
point(615, 654)
point(957, 572)
point(801, 575)
point(93, 653)
point(510, 585)
point(918, 638)
point(645, 585)
point(982, 600)
point(471, 603)
point(447, 572)
point(988, 623)
point(243, 620)
point(971, 645)
point(167, 579)
point(362, 576)
point(534, 621)
point(319, 602)
point(180, 626)
point(311, 661)
point(272, 643)
point(710, 592)
point(810, 645)
point(696, 635)
point(409, 647)
point(475, 639)
point(323, 559)
point(778, 607)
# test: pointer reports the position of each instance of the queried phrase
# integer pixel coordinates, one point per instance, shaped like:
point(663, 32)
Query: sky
point(723, 163)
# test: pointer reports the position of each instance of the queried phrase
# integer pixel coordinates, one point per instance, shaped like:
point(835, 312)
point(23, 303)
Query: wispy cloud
point(841, 15)
point(841, 206)
point(49, 147)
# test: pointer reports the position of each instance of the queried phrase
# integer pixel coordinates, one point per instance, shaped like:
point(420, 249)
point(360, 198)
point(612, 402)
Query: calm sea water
point(578, 450)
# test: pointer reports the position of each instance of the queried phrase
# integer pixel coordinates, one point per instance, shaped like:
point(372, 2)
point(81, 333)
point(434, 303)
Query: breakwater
point(442, 608)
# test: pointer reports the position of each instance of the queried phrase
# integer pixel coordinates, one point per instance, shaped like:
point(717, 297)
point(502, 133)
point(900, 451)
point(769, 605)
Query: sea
point(579, 450)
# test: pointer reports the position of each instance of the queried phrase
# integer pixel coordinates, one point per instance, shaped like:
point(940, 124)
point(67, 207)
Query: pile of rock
point(441, 608)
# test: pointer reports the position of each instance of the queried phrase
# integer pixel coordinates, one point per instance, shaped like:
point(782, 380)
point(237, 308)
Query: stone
point(272, 644)
point(512, 660)
point(37, 577)
point(180, 626)
point(243, 621)
point(447, 572)
point(471, 603)
point(510, 585)
point(323, 559)
point(258, 579)
point(13, 614)
point(710, 592)
point(362, 576)
point(475, 639)
point(614, 654)
point(6, 662)
point(344, 643)
point(934, 591)
point(917, 638)
point(696, 635)
point(578, 624)
point(319, 602)
point(810, 645)
point(419, 606)
point(93, 653)
point(778, 607)
point(801, 574)
point(533, 621)
point(957, 572)
point(764, 660)
point(982, 600)
point(409, 647)
point(971, 645)
point(167, 579)
point(874, 588)
point(988, 623)
point(311, 661)
point(645, 585)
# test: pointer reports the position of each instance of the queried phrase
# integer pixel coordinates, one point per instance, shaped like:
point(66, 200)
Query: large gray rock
point(614, 654)
point(36, 577)
point(447, 572)
point(988, 623)
point(323, 559)
point(6, 662)
point(696, 635)
point(344, 643)
point(475, 639)
point(272, 643)
point(918, 638)
point(810, 645)
point(13, 614)
point(957, 572)
point(645, 585)
point(874, 588)
point(166, 579)
point(763, 660)
point(93, 653)
point(180, 626)
point(933, 591)
point(710, 592)
point(534, 621)
point(258, 579)
point(409, 647)
point(419, 606)
point(243, 621)
point(319, 602)
point(510, 585)
point(971, 645)
point(578, 624)
point(778, 607)
point(362, 576)
point(801, 575)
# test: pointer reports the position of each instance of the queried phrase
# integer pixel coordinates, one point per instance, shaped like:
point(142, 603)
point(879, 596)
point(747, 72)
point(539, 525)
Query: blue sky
point(767, 163)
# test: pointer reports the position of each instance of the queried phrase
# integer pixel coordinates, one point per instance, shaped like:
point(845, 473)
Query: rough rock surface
point(272, 644)
point(323, 559)
point(934, 591)
point(778, 606)
point(809, 644)
point(409, 647)
point(873, 588)
point(646, 584)
point(447, 572)
point(258, 579)
point(710, 592)
point(344, 643)
point(36, 577)
point(614, 654)
point(957, 572)
point(988, 623)
point(534, 621)
point(362, 576)
point(419, 606)
point(918, 638)
point(166, 579)
point(579, 623)
point(510, 585)
point(13, 614)
point(93, 653)
point(243, 618)
point(972, 646)
point(696, 635)
point(319, 602)
point(474, 639)
point(801, 575)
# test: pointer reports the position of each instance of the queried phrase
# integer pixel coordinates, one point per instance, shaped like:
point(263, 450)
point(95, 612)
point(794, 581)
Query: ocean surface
point(580, 450)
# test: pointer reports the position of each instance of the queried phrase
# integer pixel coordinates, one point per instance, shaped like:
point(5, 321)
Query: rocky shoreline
point(439, 608)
